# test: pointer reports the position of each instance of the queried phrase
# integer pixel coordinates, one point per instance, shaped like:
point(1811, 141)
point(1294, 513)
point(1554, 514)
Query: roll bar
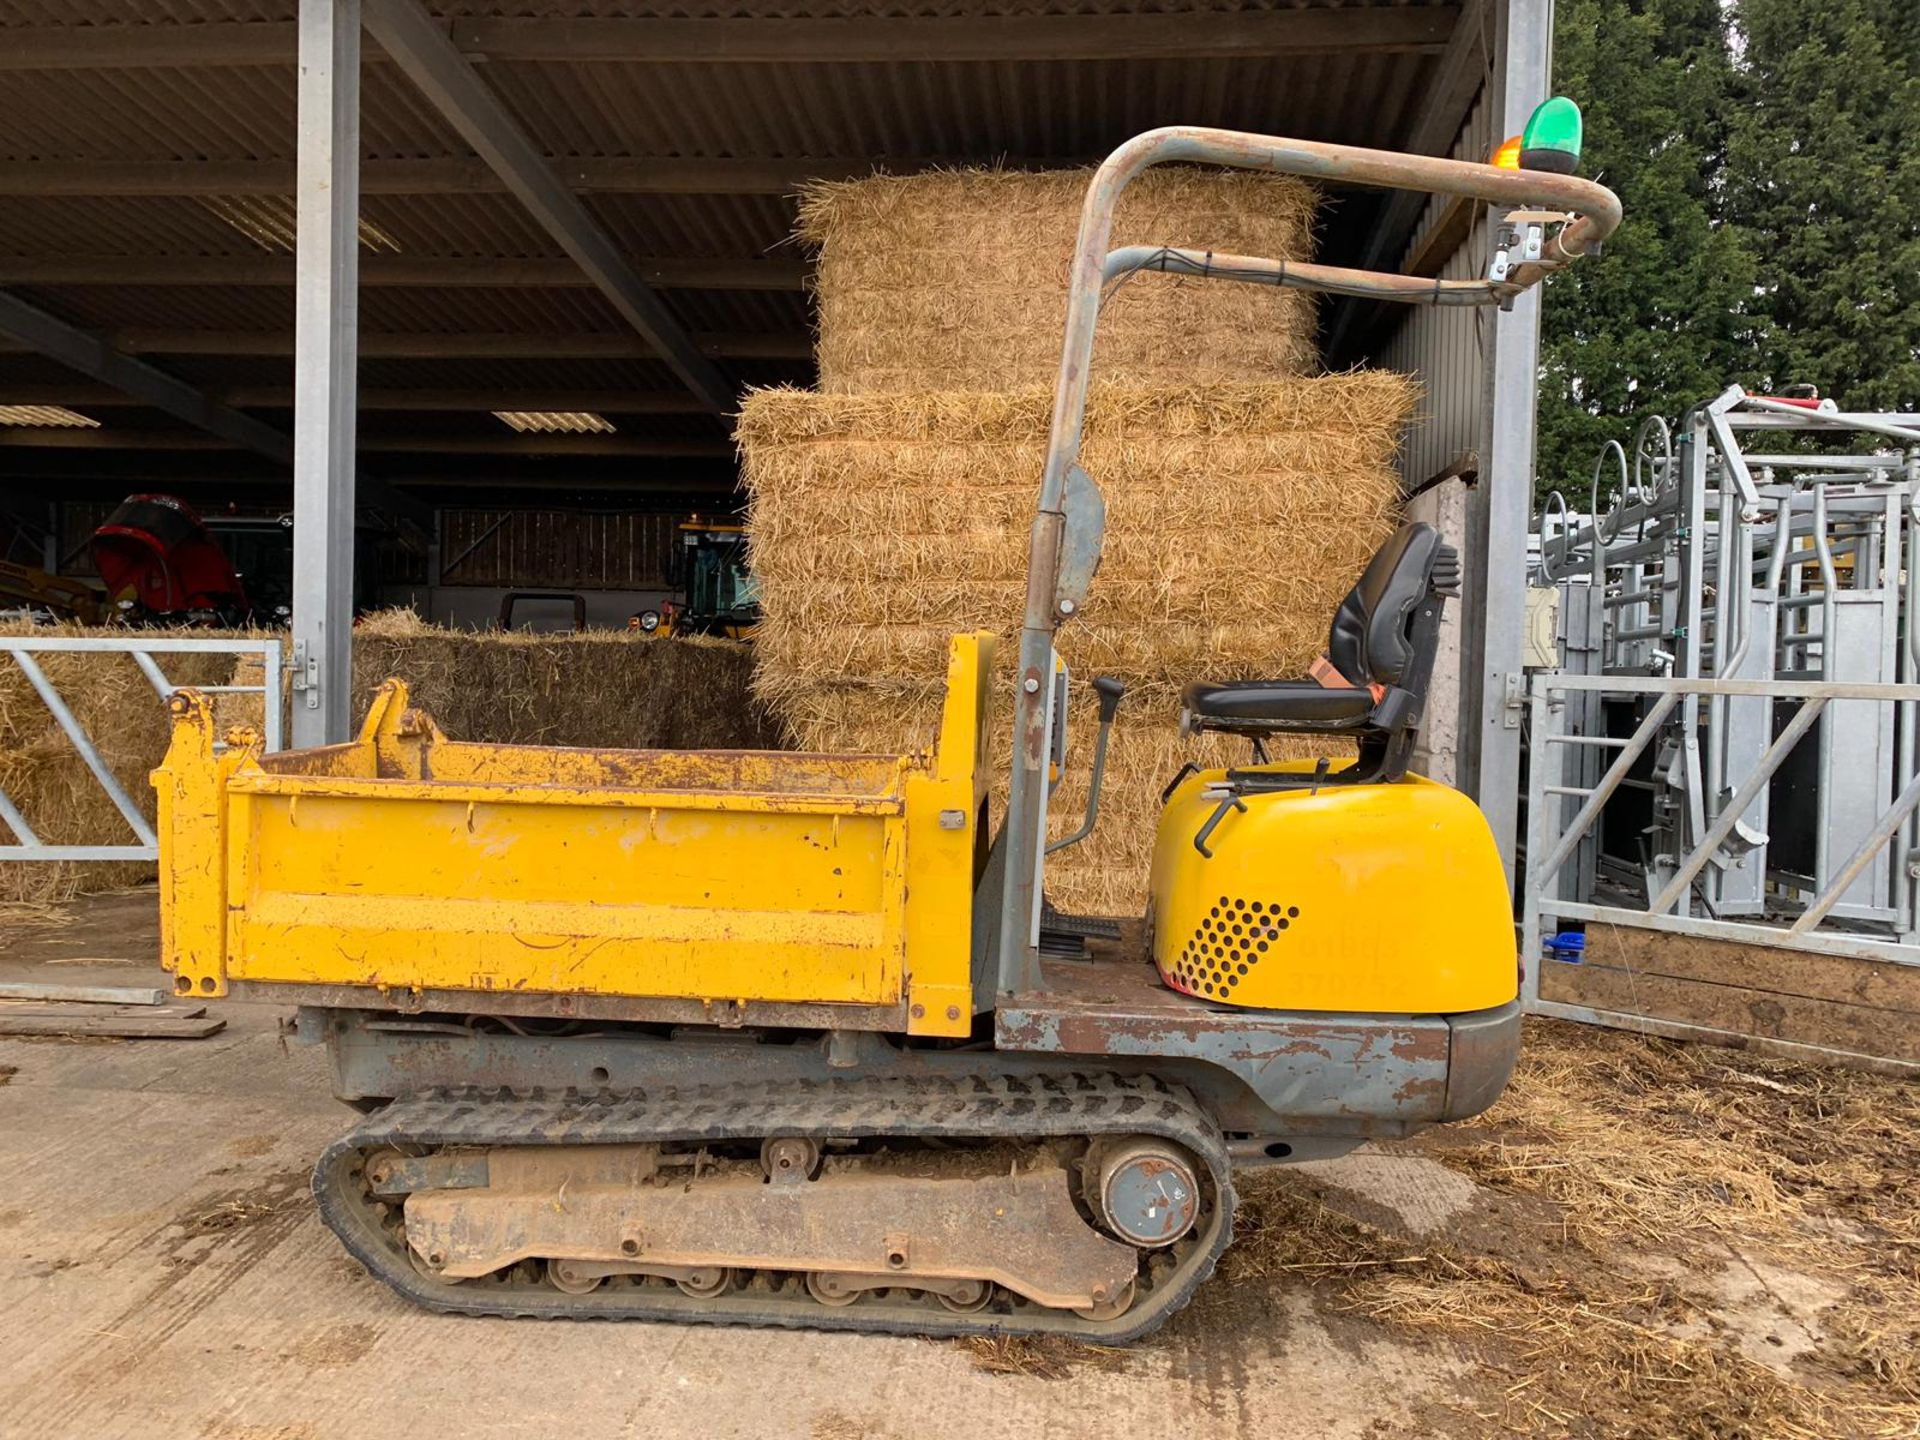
point(1068, 526)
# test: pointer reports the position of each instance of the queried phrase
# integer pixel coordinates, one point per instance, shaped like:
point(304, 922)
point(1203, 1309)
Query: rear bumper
point(1271, 1072)
point(1480, 1058)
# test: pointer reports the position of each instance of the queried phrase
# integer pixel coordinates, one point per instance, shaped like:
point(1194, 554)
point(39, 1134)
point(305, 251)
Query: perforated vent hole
point(1229, 941)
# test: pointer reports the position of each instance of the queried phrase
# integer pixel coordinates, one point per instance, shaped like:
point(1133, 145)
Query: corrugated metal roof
point(902, 115)
point(87, 13)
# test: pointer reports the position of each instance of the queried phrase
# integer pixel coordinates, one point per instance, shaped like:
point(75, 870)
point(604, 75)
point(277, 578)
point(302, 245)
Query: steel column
point(1500, 511)
point(326, 358)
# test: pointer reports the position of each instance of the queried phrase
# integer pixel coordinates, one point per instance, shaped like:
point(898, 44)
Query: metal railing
point(142, 649)
point(1799, 913)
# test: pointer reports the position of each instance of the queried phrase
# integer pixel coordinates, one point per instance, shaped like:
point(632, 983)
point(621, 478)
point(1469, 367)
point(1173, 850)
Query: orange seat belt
point(1327, 676)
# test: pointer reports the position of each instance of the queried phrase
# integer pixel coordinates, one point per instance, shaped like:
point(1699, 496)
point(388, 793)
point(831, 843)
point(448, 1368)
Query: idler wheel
point(705, 1282)
point(964, 1297)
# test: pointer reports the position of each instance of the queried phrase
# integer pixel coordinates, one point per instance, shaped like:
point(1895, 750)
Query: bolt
point(1099, 1293)
point(1066, 607)
point(919, 1012)
point(629, 1246)
point(1030, 685)
point(953, 1012)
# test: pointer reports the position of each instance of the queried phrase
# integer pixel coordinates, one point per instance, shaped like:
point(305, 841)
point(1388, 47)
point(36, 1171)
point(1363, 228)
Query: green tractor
point(717, 593)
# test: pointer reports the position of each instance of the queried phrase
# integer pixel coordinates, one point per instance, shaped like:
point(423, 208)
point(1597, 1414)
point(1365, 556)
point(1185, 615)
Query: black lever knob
point(1109, 690)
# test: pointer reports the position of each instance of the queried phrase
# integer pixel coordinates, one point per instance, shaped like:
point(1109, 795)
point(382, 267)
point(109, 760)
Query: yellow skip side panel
point(405, 861)
point(529, 891)
point(1366, 898)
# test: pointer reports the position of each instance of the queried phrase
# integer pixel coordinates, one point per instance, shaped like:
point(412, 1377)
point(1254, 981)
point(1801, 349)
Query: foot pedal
point(1065, 936)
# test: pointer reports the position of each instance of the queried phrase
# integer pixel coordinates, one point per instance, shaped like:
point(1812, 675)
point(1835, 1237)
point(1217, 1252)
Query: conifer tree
point(1664, 319)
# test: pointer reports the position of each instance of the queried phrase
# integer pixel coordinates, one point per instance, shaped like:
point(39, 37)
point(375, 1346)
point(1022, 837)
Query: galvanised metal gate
point(22, 650)
point(1857, 895)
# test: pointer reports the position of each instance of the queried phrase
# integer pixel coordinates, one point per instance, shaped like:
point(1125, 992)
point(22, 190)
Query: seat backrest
point(1370, 641)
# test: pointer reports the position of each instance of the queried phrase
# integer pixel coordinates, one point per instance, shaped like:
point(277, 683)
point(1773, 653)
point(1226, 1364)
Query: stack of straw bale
point(1238, 516)
point(957, 280)
point(1244, 495)
point(598, 688)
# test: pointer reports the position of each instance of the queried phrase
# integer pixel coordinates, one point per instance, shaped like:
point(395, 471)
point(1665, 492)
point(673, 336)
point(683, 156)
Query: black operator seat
point(1379, 659)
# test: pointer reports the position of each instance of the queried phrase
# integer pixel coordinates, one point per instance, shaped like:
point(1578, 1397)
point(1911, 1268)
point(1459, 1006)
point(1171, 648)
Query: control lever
point(1109, 690)
point(1229, 800)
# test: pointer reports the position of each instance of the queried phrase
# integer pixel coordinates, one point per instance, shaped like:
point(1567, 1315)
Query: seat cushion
point(1277, 705)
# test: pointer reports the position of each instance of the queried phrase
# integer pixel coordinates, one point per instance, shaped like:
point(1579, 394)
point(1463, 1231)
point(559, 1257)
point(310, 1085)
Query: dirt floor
point(1643, 1239)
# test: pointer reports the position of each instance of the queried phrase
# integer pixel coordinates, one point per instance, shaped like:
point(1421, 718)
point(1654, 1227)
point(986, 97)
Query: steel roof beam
point(108, 474)
point(867, 40)
point(392, 271)
point(419, 45)
point(97, 357)
point(454, 175)
point(30, 328)
point(83, 396)
point(1222, 34)
point(633, 446)
point(429, 345)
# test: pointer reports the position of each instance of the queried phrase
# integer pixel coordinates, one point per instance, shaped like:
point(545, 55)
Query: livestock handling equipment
point(771, 1039)
point(1742, 613)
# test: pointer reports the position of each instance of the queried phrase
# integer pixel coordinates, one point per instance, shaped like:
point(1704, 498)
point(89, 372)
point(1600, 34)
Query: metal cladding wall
point(1447, 350)
point(1446, 347)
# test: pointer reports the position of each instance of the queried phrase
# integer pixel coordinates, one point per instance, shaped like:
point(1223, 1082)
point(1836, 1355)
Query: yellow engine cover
point(1381, 898)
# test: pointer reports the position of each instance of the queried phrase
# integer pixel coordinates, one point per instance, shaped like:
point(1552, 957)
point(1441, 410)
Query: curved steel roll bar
point(1071, 548)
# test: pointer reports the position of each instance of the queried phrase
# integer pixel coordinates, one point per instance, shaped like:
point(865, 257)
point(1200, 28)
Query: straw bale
point(1237, 517)
point(957, 280)
point(597, 687)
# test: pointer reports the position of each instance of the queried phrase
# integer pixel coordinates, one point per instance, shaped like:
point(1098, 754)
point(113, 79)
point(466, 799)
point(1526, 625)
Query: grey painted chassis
point(1293, 1086)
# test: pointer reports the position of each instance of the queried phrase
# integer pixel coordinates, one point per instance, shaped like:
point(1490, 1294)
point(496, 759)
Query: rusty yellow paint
point(406, 861)
point(190, 817)
point(945, 794)
point(1353, 898)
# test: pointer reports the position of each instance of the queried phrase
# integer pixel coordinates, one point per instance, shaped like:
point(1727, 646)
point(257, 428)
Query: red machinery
point(155, 552)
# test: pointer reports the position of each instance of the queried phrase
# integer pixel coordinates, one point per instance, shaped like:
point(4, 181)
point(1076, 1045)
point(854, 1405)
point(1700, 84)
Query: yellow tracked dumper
point(792, 1039)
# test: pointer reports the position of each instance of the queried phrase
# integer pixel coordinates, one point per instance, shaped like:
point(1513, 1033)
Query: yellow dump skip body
point(404, 862)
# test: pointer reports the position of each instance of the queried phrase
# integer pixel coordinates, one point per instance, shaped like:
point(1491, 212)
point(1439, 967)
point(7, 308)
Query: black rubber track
point(983, 1108)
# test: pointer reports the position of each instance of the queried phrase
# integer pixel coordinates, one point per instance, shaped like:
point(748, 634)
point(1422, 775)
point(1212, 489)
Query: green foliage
point(1662, 319)
point(1767, 155)
point(1824, 171)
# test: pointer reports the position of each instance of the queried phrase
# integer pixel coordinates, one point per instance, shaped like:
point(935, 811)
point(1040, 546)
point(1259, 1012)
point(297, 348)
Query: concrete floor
point(163, 1273)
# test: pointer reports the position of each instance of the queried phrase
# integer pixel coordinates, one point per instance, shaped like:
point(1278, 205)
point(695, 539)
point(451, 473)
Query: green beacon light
point(1551, 140)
